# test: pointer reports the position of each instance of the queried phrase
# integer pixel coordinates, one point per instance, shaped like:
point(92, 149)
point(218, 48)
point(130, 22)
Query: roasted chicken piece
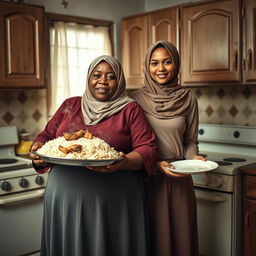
point(88, 135)
point(76, 135)
point(70, 136)
point(73, 135)
point(71, 149)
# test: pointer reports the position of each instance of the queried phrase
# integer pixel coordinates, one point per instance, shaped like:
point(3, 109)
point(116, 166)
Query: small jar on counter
point(24, 145)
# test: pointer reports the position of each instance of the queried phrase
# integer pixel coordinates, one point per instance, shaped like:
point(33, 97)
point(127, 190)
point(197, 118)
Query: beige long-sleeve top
point(177, 138)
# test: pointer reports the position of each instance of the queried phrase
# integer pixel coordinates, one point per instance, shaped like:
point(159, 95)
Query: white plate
point(77, 162)
point(193, 166)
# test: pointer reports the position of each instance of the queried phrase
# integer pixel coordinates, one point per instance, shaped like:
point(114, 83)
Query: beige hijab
point(95, 111)
point(163, 101)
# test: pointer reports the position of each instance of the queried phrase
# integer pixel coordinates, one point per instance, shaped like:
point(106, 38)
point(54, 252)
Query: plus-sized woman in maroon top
point(98, 210)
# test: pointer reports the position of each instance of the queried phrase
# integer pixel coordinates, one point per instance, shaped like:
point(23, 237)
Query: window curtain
point(73, 47)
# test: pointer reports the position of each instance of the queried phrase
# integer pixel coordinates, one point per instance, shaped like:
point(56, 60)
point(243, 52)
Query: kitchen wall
point(151, 5)
point(232, 105)
point(27, 108)
point(112, 10)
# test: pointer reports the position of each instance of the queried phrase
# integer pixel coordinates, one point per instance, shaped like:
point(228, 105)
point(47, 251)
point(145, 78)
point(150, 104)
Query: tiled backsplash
point(26, 109)
point(233, 105)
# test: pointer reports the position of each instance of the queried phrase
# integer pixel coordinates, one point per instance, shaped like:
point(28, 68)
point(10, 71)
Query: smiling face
point(102, 82)
point(161, 66)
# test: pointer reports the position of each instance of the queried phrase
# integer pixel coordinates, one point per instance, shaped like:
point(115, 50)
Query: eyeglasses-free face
point(102, 82)
point(161, 66)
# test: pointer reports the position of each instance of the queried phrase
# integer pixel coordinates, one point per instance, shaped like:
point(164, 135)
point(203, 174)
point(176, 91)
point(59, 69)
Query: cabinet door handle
point(249, 59)
point(246, 220)
point(235, 60)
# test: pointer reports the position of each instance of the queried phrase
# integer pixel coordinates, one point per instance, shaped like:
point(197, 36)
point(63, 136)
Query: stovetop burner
point(13, 164)
point(8, 161)
point(203, 155)
point(234, 159)
point(15, 168)
point(222, 163)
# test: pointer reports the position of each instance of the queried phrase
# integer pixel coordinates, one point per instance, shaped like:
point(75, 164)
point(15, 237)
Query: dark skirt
point(93, 214)
point(172, 216)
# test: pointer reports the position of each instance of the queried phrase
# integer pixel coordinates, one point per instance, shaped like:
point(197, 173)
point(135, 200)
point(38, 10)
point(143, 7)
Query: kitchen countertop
point(249, 169)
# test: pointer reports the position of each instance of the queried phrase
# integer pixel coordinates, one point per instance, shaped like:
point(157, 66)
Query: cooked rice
point(95, 148)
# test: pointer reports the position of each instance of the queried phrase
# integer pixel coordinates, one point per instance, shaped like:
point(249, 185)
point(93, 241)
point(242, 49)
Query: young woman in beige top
point(172, 112)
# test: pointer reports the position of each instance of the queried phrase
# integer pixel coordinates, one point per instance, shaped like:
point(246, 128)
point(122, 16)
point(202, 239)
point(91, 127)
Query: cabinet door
point(249, 237)
point(21, 45)
point(210, 42)
point(162, 25)
point(134, 47)
point(250, 46)
point(249, 227)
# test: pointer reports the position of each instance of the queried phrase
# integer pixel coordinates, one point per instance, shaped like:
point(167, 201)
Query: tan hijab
point(163, 101)
point(94, 110)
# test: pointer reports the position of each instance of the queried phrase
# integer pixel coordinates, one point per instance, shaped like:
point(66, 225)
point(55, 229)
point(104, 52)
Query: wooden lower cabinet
point(249, 215)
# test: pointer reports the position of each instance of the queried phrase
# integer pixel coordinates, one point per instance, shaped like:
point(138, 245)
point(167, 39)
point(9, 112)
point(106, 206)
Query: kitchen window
point(72, 48)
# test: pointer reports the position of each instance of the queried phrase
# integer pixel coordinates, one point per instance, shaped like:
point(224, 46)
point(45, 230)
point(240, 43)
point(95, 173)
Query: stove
point(219, 191)
point(230, 146)
point(13, 163)
point(16, 173)
point(21, 199)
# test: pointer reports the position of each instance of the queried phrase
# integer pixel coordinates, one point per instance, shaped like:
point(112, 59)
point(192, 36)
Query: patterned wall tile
point(26, 109)
point(8, 117)
point(221, 93)
point(231, 105)
point(22, 97)
point(247, 92)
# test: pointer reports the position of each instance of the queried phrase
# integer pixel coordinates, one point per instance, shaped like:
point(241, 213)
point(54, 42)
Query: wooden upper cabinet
point(210, 42)
point(163, 26)
point(21, 46)
point(138, 33)
point(249, 35)
point(134, 47)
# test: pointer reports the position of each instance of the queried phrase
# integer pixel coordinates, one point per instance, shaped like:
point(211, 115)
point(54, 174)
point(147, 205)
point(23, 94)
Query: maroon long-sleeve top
point(126, 131)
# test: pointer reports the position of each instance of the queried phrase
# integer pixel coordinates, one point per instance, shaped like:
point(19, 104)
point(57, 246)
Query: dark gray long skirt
point(93, 214)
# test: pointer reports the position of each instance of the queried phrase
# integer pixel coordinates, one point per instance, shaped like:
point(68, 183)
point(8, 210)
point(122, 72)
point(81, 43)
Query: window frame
point(53, 17)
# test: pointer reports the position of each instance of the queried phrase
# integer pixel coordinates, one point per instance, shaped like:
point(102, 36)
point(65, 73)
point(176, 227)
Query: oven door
point(214, 211)
point(20, 223)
